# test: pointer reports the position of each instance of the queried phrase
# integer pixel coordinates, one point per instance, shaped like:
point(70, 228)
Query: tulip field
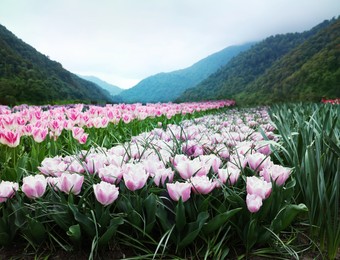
point(204, 180)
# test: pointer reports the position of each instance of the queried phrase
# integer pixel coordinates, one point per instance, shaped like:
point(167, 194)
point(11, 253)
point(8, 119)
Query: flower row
point(39, 122)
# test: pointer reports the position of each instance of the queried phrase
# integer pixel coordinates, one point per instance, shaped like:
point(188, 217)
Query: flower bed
point(211, 183)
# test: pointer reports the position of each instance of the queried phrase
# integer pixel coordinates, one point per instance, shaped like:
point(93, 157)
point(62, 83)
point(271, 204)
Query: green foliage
point(311, 140)
point(290, 67)
point(27, 76)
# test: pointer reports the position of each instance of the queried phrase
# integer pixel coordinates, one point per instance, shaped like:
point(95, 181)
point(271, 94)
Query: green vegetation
point(311, 140)
point(291, 67)
point(164, 87)
point(27, 76)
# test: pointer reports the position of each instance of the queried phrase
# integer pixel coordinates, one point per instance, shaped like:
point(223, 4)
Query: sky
point(125, 41)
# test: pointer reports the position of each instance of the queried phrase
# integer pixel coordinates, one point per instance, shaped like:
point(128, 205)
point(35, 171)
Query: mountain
point(289, 67)
point(168, 86)
point(27, 76)
point(112, 89)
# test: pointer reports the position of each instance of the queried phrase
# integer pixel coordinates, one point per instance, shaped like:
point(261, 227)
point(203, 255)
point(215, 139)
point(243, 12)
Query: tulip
point(254, 202)
point(10, 138)
point(39, 134)
point(7, 190)
point(153, 165)
point(230, 174)
point(258, 186)
point(71, 183)
point(202, 184)
point(257, 161)
point(76, 167)
point(83, 138)
point(111, 173)
point(52, 166)
point(187, 169)
point(179, 190)
point(162, 175)
point(134, 176)
point(212, 161)
point(34, 186)
point(277, 173)
point(105, 193)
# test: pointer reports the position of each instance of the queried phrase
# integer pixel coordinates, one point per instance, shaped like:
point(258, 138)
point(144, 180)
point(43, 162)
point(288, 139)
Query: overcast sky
point(124, 41)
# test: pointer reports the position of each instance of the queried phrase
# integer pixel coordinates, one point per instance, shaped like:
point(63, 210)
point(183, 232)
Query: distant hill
point(112, 89)
point(27, 76)
point(168, 86)
point(290, 67)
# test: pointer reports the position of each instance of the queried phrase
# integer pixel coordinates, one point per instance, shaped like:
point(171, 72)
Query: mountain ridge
point(28, 76)
point(256, 76)
point(166, 86)
point(112, 89)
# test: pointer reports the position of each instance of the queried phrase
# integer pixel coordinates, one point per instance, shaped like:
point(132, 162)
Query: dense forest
point(164, 87)
point(27, 76)
point(290, 67)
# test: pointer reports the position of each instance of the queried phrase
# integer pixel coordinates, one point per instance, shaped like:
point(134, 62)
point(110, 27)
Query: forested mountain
point(165, 87)
point(27, 76)
point(112, 89)
point(290, 67)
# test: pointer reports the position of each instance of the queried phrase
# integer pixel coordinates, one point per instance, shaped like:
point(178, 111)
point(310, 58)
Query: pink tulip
point(212, 161)
point(111, 173)
point(179, 190)
point(202, 184)
point(263, 148)
point(95, 161)
point(238, 161)
point(153, 165)
point(222, 151)
point(76, 167)
point(179, 158)
point(83, 138)
point(54, 182)
point(254, 202)
point(10, 138)
point(192, 148)
point(105, 193)
point(7, 190)
point(162, 175)
point(34, 186)
point(39, 134)
point(77, 132)
point(277, 173)
point(230, 174)
point(259, 187)
point(257, 161)
point(134, 176)
point(187, 169)
point(71, 183)
point(52, 166)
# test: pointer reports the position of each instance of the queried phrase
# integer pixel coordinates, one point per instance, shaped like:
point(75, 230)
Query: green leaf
point(219, 220)
point(150, 204)
point(36, 230)
point(180, 215)
point(74, 232)
point(285, 217)
point(195, 229)
point(84, 221)
point(251, 234)
point(114, 223)
point(161, 214)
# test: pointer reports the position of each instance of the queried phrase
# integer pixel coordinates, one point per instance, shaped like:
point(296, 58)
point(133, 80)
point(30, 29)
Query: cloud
point(124, 41)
